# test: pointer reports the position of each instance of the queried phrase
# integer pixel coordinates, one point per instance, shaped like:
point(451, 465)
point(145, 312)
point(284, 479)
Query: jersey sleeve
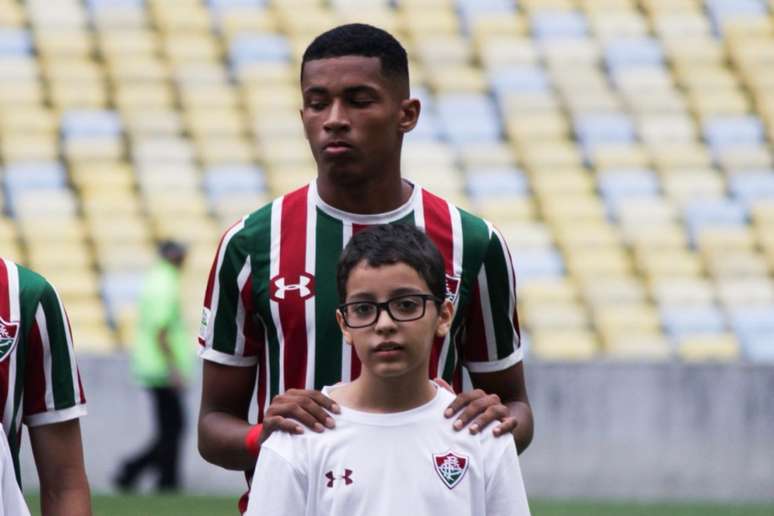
point(52, 392)
point(505, 493)
point(491, 337)
point(229, 331)
point(278, 487)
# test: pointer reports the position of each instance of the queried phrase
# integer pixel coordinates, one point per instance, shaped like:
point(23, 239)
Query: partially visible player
point(392, 451)
point(11, 499)
point(40, 386)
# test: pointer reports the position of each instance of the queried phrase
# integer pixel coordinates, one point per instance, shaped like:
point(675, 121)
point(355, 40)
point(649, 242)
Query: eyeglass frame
point(385, 306)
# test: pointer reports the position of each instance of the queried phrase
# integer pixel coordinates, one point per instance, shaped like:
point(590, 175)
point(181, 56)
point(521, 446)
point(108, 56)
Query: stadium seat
point(721, 347)
point(564, 345)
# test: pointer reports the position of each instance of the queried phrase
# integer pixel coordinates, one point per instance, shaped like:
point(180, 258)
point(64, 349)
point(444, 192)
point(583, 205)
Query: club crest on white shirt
point(451, 467)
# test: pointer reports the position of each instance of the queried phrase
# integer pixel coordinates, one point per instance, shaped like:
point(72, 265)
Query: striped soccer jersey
point(271, 295)
point(39, 380)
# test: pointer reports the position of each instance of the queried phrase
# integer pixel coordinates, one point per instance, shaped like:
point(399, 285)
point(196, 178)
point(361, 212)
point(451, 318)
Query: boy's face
point(354, 117)
point(389, 348)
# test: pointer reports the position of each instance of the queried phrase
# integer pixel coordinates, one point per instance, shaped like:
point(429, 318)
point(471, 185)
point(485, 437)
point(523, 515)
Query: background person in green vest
point(161, 361)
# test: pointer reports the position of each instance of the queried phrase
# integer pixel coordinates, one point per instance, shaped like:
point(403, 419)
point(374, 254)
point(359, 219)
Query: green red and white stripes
point(39, 379)
point(272, 295)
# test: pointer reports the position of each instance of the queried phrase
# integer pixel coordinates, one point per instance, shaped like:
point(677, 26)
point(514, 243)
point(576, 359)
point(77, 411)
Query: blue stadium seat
point(725, 131)
point(621, 184)
point(496, 182)
point(538, 263)
point(547, 24)
point(224, 4)
point(713, 212)
point(34, 175)
point(91, 123)
point(15, 42)
point(759, 348)
point(721, 11)
point(120, 4)
point(258, 48)
point(751, 320)
point(604, 128)
point(630, 52)
point(682, 320)
point(519, 79)
point(231, 179)
point(121, 290)
point(468, 118)
point(470, 8)
point(752, 185)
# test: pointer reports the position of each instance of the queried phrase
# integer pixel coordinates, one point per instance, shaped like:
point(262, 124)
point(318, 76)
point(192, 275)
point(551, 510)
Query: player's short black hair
point(360, 39)
point(388, 244)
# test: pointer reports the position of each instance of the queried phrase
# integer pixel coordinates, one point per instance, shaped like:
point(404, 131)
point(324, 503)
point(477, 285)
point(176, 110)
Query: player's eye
point(362, 310)
point(406, 305)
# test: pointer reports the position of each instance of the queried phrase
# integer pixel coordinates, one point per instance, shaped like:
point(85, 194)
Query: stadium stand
point(623, 147)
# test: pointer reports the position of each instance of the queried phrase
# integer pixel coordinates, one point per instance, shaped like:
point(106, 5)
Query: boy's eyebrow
point(368, 296)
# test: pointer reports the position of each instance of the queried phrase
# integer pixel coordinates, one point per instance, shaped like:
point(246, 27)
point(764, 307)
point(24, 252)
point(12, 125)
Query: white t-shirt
point(406, 463)
point(11, 500)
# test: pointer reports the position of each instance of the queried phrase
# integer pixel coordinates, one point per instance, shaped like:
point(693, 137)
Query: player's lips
point(337, 148)
point(386, 349)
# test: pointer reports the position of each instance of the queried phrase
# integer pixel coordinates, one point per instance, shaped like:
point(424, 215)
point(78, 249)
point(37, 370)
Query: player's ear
point(344, 328)
point(409, 114)
point(445, 316)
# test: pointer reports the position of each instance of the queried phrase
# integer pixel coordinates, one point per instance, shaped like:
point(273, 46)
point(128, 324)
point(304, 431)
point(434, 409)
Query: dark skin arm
point(498, 396)
point(64, 488)
point(226, 396)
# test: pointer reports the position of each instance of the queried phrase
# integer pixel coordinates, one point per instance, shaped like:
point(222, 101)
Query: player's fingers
point(278, 423)
point(324, 401)
point(492, 413)
point(461, 401)
point(311, 407)
point(475, 408)
point(506, 426)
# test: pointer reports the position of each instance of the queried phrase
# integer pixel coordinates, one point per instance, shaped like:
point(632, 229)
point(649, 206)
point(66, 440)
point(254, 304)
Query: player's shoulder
point(294, 448)
point(30, 282)
point(476, 230)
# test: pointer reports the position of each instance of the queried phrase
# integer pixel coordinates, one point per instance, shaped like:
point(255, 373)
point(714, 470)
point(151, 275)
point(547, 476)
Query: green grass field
point(226, 506)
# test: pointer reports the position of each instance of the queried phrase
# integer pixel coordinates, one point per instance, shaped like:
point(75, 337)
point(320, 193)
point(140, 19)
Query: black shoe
point(124, 481)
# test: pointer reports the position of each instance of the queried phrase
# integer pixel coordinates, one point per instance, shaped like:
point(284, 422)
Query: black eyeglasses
point(409, 307)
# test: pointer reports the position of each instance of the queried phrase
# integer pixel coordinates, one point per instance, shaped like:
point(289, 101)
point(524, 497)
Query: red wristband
point(253, 439)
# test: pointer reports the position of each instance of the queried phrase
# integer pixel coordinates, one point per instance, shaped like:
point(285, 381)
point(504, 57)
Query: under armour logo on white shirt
point(346, 477)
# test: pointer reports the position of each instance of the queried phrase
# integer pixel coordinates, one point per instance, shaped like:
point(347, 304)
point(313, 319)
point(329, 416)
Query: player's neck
point(371, 393)
point(377, 195)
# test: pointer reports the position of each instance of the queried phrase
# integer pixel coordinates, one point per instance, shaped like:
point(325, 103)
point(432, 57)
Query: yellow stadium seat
point(229, 208)
point(267, 100)
point(236, 19)
point(564, 345)
point(710, 77)
point(61, 255)
point(548, 154)
point(189, 230)
point(423, 21)
point(713, 347)
point(8, 229)
point(484, 155)
point(502, 211)
point(737, 264)
point(718, 102)
point(500, 51)
point(655, 236)
point(456, 78)
point(526, 234)
point(64, 43)
point(735, 292)
point(637, 346)
point(12, 14)
point(539, 125)
point(191, 47)
point(677, 290)
point(531, 6)
point(29, 147)
point(72, 283)
point(716, 239)
point(125, 41)
point(546, 291)
point(682, 25)
point(20, 93)
point(618, 319)
point(597, 291)
point(123, 256)
point(620, 156)
point(547, 181)
point(611, 261)
point(613, 24)
point(560, 207)
point(215, 122)
point(206, 96)
point(679, 155)
point(95, 339)
point(689, 185)
point(177, 16)
point(443, 49)
point(377, 15)
point(585, 100)
point(48, 230)
point(661, 6)
point(529, 103)
point(93, 148)
point(28, 119)
point(286, 153)
point(486, 25)
point(11, 250)
point(667, 262)
point(66, 95)
point(219, 150)
point(442, 181)
point(554, 315)
point(68, 70)
point(746, 157)
point(125, 71)
point(666, 128)
point(282, 179)
point(152, 120)
point(572, 235)
point(111, 202)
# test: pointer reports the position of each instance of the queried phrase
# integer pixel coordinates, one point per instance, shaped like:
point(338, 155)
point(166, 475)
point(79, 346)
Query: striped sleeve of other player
point(53, 391)
point(230, 333)
point(492, 329)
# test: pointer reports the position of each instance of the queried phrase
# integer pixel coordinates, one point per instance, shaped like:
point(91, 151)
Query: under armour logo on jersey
point(346, 477)
point(282, 287)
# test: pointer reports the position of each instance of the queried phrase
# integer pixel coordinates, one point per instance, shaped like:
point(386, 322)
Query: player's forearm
point(222, 441)
point(68, 498)
point(522, 434)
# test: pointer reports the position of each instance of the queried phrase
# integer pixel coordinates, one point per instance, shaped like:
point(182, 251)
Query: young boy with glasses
point(392, 451)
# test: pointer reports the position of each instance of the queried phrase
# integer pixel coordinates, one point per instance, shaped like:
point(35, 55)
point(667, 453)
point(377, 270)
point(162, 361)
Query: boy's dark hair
point(360, 39)
point(387, 244)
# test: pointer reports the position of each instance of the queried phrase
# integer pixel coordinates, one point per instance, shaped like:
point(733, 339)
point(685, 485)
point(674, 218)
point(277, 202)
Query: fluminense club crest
point(450, 467)
point(8, 334)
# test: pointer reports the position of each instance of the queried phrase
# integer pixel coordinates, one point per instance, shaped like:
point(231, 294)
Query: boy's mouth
point(387, 347)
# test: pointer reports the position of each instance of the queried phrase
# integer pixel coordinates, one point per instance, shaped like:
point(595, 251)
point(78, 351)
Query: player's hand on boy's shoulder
point(295, 406)
point(476, 409)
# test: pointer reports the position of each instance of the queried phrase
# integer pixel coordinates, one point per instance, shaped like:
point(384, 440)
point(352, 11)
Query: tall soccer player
point(392, 452)
point(40, 386)
point(269, 311)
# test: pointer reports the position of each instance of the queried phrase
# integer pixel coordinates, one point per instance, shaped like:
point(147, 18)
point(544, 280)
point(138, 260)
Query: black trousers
point(163, 452)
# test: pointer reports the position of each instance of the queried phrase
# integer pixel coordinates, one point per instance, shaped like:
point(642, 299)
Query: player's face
point(389, 348)
point(354, 117)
